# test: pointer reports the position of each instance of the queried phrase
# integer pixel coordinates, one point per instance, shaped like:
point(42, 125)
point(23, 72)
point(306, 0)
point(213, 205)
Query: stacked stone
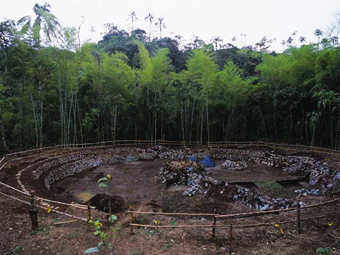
point(174, 172)
point(254, 199)
point(47, 166)
point(187, 173)
point(234, 165)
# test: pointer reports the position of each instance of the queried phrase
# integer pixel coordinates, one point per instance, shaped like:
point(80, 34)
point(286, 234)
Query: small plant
point(331, 249)
point(166, 246)
point(37, 231)
point(15, 251)
point(154, 232)
point(173, 223)
point(141, 220)
point(103, 244)
point(324, 251)
point(136, 253)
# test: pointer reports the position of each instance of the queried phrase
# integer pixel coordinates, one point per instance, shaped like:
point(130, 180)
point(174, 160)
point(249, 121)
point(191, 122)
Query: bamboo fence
point(123, 143)
point(232, 216)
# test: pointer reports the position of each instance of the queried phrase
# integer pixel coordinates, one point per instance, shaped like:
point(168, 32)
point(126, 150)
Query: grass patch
point(15, 251)
point(267, 184)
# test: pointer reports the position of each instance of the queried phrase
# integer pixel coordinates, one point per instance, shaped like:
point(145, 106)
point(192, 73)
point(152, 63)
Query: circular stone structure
point(268, 180)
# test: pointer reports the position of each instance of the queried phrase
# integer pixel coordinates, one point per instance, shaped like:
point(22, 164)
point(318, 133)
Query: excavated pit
point(136, 180)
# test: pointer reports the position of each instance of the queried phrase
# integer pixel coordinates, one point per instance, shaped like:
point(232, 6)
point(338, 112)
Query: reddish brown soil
point(138, 183)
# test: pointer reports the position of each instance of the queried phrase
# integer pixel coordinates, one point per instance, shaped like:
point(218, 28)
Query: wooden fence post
point(131, 219)
point(230, 238)
point(214, 223)
point(33, 212)
point(88, 211)
point(299, 217)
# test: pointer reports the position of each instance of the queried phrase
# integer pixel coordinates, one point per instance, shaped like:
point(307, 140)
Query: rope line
point(41, 207)
point(78, 206)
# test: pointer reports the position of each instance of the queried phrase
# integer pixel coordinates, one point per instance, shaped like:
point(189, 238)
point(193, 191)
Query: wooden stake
point(214, 223)
point(131, 219)
point(65, 222)
point(33, 212)
point(299, 218)
point(88, 211)
point(230, 238)
point(32, 199)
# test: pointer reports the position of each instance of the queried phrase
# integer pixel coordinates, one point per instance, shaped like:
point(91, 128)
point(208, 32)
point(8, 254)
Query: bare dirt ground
point(138, 184)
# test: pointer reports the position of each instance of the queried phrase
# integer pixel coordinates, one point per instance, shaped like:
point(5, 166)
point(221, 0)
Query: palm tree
point(283, 43)
point(132, 17)
point(150, 19)
point(334, 40)
point(294, 34)
point(290, 40)
point(216, 40)
point(318, 33)
point(302, 39)
point(44, 20)
point(245, 40)
point(161, 25)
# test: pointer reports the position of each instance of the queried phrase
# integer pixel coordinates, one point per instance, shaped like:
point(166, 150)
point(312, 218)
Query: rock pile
point(192, 173)
point(184, 172)
point(187, 173)
point(47, 166)
point(234, 165)
point(252, 198)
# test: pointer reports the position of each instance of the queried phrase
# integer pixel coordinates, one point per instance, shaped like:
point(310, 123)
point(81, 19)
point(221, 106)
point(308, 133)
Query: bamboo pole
point(174, 214)
point(253, 214)
point(299, 218)
point(177, 226)
point(131, 219)
point(228, 227)
point(78, 206)
point(214, 223)
point(230, 238)
point(237, 215)
point(33, 212)
point(65, 222)
point(88, 211)
point(43, 208)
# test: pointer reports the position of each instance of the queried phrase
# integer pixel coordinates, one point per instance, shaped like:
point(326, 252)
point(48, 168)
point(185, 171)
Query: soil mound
point(101, 202)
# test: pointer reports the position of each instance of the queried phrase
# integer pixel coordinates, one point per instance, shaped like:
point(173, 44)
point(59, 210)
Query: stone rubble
point(234, 165)
point(194, 174)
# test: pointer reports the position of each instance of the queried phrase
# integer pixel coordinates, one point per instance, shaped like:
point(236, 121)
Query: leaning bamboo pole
point(78, 206)
point(175, 214)
point(227, 227)
point(41, 207)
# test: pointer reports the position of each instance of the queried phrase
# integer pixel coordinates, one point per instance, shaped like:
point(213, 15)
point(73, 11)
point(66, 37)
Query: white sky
point(188, 18)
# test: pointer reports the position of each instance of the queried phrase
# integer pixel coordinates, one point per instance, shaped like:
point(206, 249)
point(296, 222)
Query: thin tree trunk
point(207, 109)
point(41, 114)
point(264, 124)
point(35, 121)
point(61, 107)
point(202, 110)
point(3, 138)
point(192, 119)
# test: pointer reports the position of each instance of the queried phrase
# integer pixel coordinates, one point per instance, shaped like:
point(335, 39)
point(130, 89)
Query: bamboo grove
point(53, 90)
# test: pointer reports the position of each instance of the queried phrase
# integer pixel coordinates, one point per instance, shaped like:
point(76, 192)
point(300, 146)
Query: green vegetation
point(103, 245)
point(15, 251)
point(267, 184)
point(53, 90)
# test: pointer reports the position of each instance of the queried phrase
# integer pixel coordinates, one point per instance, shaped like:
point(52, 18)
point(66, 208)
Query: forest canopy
point(55, 90)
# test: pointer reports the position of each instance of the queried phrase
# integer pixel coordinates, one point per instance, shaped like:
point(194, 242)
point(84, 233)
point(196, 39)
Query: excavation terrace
point(165, 176)
point(189, 180)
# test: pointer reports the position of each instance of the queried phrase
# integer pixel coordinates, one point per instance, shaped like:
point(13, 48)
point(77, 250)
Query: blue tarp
point(192, 158)
point(207, 162)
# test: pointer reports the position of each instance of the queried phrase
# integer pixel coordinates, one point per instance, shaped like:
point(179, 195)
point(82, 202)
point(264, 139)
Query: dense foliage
point(55, 91)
